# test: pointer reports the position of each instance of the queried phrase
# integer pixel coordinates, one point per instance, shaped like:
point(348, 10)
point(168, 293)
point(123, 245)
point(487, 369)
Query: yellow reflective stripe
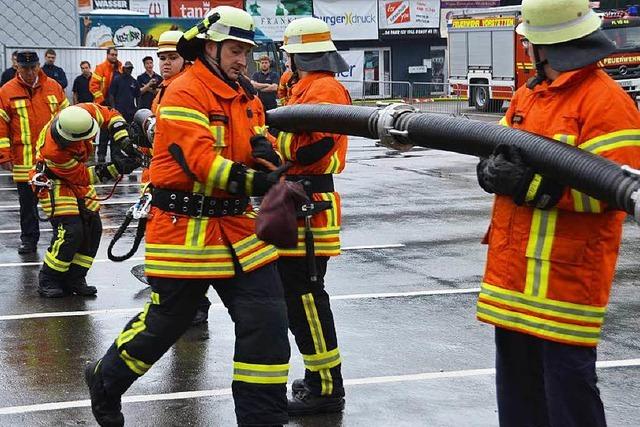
point(136, 365)
point(115, 119)
point(248, 182)
point(612, 141)
point(332, 214)
point(264, 255)
point(25, 130)
point(222, 268)
point(120, 134)
point(326, 360)
point(260, 374)
point(284, 144)
point(4, 116)
point(184, 114)
point(113, 170)
point(196, 232)
point(543, 306)
point(64, 104)
point(97, 94)
point(541, 235)
point(218, 133)
point(503, 121)
point(261, 130)
point(99, 116)
point(334, 164)
point(98, 77)
point(186, 252)
point(585, 203)
point(155, 298)
point(93, 178)
point(533, 188)
point(70, 164)
point(53, 103)
point(539, 326)
point(135, 328)
point(320, 346)
point(5, 143)
point(56, 264)
point(218, 176)
point(82, 260)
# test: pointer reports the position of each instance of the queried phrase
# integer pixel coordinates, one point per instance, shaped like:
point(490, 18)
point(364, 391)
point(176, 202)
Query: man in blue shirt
point(124, 91)
point(266, 83)
point(51, 70)
point(149, 82)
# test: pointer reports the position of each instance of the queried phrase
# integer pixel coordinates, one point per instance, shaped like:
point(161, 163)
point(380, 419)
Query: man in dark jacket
point(10, 72)
point(124, 91)
point(51, 70)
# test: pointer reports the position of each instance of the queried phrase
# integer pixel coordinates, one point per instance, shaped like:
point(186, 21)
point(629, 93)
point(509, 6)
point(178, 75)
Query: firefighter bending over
point(553, 250)
point(201, 231)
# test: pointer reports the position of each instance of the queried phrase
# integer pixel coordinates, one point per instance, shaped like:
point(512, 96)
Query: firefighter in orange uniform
point(201, 231)
point(64, 147)
point(27, 103)
point(552, 250)
point(285, 84)
point(316, 157)
point(99, 85)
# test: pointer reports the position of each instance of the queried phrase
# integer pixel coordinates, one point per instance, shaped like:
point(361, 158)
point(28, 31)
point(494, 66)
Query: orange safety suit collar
point(303, 84)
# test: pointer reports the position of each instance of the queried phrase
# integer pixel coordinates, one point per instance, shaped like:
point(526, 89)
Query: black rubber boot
point(202, 314)
point(80, 287)
point(306, 403)
point(27, 248)
point(49, 287)
point(106, 409)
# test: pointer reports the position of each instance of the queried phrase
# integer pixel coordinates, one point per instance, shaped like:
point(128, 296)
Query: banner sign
point(459, 4)
point(273, 16)
point(111, 4)
point(127, 31)
point(348, 19)
point(408, 18)
point(199, 8)
point(503, 21)
point(153, 8)
point(352, 79)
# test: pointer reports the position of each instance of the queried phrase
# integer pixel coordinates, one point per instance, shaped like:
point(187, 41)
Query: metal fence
point(432, 97)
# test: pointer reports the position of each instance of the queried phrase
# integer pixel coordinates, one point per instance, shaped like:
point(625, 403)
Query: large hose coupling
point(635, 196)
point(390, 136)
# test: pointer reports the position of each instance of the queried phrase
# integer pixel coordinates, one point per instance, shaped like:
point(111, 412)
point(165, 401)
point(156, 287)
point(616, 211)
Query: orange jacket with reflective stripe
point(75, 179)
point(212, 123)
point(549, 272)
point(284, 91)
point(24, 112)
point(101, 80)
point(317, 88)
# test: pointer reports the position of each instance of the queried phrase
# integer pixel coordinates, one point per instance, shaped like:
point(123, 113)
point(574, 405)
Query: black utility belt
point(317, 183)
point(197, 205)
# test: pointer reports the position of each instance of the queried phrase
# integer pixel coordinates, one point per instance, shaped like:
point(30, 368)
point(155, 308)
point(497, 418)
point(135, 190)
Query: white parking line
point(346, 248)
point(424, 376)
point(42, 315)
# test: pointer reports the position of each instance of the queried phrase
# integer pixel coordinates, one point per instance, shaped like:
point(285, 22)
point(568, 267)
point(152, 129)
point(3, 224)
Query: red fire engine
point(487, 62)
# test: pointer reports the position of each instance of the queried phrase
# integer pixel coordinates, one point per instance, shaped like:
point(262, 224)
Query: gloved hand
point(261, 148)
point(250, 182)
point(504, 172)
point(126, 165)
point(119, 131)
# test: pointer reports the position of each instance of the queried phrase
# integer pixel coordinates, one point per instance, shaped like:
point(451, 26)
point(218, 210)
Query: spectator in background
point(148, 82)
point(266, 83)
point(124, 91)
point(51, 70)
point(10, 72)
point(81, 92)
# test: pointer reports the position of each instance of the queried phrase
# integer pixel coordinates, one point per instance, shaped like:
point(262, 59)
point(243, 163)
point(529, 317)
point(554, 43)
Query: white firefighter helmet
point(308, 35)
point(168, 41)
point(74, 124)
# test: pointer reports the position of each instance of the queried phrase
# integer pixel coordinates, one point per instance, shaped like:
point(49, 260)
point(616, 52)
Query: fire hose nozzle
point(635, 196)
point(388, 134)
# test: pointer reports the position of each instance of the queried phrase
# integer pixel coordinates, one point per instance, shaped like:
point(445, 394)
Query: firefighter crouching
point(552, 250)
point(315, 157)
point(64, 186)
point(201, 231)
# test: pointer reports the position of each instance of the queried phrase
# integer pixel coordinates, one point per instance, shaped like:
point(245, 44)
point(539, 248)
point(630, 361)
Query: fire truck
point(487, 61)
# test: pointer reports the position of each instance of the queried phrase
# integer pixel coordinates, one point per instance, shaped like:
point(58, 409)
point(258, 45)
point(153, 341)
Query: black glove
point(261, 148)
point(126, 165)
point(250, 182)
point(119, 131)
point(106, 171)
point(313, 152)
point(504, 172)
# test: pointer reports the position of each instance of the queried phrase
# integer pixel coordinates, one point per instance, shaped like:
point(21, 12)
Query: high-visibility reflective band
point(70, 164)
point(248, 181)
point(25, 131)
point(120, 134)
point(135, 328)
point(90, 199)
point(4, 116)
point(98, 77)
point(541, 235)
point(253, 252)
point(196, 232)
point(55, 263)
point(64, 104)
point(260, 374)
point(161, 268)
point(319, 344)
point(326, 360)
point(332, 214)
point(533, 188)
point(97, 95)
point(612, 141)
point(136, 365)
point(93, 178)
point(113, 170)
point(284, 144)
point(115, 119)
point(334, 164)
point(585, 203)
point(218, 176)
point(21, 172)
point(5, 143)
point(185, 252)
point(82, 260)
point(326, 242)
point(544, 328)
point(308, 38)
point(261, 130)
point(53, 103)
point(218, 133)
point(184, 114)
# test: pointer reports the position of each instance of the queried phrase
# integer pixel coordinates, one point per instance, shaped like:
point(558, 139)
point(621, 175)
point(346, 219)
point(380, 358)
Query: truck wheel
point(481, 98)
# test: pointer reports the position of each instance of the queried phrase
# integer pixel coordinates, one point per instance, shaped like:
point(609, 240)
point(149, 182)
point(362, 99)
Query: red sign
point(198, 8)
point(398, 12)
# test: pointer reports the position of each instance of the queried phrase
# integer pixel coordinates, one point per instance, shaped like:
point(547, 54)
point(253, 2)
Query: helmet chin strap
point(540, 76)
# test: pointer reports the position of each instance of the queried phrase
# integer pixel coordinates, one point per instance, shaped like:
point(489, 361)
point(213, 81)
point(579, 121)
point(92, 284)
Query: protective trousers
point(543, 383)
point(311, 322)
point(29, 227)
point(73, 246)
point(256, 305)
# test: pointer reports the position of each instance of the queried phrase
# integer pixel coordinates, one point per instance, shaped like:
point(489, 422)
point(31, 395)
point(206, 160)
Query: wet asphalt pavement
point(403, 293)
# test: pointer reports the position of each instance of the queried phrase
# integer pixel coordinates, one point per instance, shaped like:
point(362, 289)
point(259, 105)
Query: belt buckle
point(199, 204)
